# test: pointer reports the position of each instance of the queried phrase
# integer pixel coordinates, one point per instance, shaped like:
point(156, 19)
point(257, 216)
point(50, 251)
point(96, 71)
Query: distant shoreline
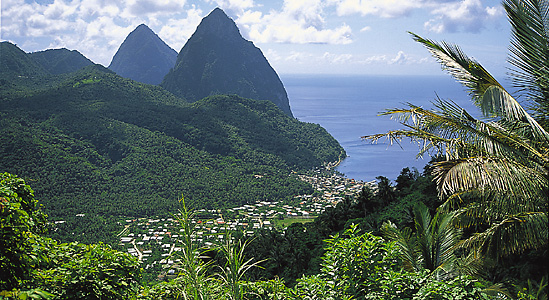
point(333, 165)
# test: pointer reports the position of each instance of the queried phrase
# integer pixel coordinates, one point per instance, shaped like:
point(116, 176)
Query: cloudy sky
point(296, 36)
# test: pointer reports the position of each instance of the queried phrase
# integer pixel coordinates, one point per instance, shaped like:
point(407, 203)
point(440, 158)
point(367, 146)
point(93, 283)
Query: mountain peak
point(142, 29)
point(218, 24)
point(143, 56)
point(218, 60)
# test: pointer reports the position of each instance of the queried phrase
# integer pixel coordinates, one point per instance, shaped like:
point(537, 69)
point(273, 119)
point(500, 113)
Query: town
point(154, 240)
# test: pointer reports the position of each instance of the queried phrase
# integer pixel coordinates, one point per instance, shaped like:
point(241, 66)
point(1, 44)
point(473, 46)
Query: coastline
point(348, 107)
point(335, 164)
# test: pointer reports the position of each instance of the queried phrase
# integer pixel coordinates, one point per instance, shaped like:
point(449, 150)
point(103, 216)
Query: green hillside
point(104, 146)
point(15, 63)
point(60, 61)
point(23, 74)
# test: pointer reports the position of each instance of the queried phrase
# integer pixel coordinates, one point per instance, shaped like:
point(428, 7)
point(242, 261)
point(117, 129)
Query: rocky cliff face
point(218, 60)
point(143, 57)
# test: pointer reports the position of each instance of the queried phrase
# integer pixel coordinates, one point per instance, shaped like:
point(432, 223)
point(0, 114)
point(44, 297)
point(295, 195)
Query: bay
point(348, 107)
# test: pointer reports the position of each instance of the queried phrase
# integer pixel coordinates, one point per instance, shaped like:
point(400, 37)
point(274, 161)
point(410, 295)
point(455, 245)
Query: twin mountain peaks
point(215, 60)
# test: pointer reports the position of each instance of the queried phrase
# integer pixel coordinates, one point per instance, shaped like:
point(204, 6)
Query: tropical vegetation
point(356, 265)
point(493, 171)
point(473, 225)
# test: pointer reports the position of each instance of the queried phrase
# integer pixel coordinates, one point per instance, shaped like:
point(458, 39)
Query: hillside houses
point(154, 240)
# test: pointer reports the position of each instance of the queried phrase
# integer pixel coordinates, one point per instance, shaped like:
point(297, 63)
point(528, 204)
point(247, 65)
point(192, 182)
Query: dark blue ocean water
point(347, 107)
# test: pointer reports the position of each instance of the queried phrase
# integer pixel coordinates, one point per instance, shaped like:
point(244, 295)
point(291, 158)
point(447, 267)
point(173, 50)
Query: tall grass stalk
point(195, 267)
point(233, 272)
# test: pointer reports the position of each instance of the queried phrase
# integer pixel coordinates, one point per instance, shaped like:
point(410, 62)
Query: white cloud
point(372, 59)
point(60, 9)
point(382, 8)
point(298, 22)
point(98, 40)
point(94, 27)
point(495, 11)
point(177, 31)
point(234, 7)
point(346, 59)
point(272, 55)
point(33, 20)
point(448, 15)
point(469, 15)
point(147, 7)
point(91, 9)
point(299, 57)
point(97, 27)
point(400, 59)
point(332, 58)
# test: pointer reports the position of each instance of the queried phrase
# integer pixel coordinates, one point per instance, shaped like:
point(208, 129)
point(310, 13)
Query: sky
point(296, 36)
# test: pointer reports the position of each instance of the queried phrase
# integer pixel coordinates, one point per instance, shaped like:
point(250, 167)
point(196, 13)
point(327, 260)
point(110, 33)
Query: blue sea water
point(348, 107)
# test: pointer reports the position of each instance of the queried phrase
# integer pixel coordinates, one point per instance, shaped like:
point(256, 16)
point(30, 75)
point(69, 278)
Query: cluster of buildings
point(154, 241)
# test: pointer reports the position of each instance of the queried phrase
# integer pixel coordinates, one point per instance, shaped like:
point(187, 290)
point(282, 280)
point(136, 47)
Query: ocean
point(348, 107)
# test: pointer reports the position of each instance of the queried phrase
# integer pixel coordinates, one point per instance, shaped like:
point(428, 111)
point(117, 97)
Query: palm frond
point(466, 70)
point(514, 234)
point(490, 175)
point(487, 93)
point(470, 264)
point(479, 210)
point(499, 102)
point(406, 242)
point(451, 131)
point(436, 239)
point(529, 48)
point(496, 172)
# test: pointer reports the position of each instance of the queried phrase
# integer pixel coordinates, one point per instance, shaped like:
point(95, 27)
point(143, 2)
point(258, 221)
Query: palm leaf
point(490, 175)
point(453, 132)
point(406, 242)
point(487, 93)
point(467, 71)
point(529, 47)
point(496, 172)
point(436, 238)
point(514, 234)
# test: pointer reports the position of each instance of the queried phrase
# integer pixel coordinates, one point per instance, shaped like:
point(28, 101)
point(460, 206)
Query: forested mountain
point(104, 146)
point(143, 57)
point(15, 63)
point(218, 60)
point(59, 61)
point(22, 73)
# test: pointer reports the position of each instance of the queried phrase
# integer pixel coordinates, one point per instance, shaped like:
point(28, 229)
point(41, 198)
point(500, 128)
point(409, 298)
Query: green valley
point(105, 146)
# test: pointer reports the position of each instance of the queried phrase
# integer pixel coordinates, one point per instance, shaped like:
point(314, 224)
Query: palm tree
point(431, 245)
point(496, 170)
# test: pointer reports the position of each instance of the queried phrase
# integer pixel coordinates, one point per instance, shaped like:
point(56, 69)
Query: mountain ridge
point(60, 61)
